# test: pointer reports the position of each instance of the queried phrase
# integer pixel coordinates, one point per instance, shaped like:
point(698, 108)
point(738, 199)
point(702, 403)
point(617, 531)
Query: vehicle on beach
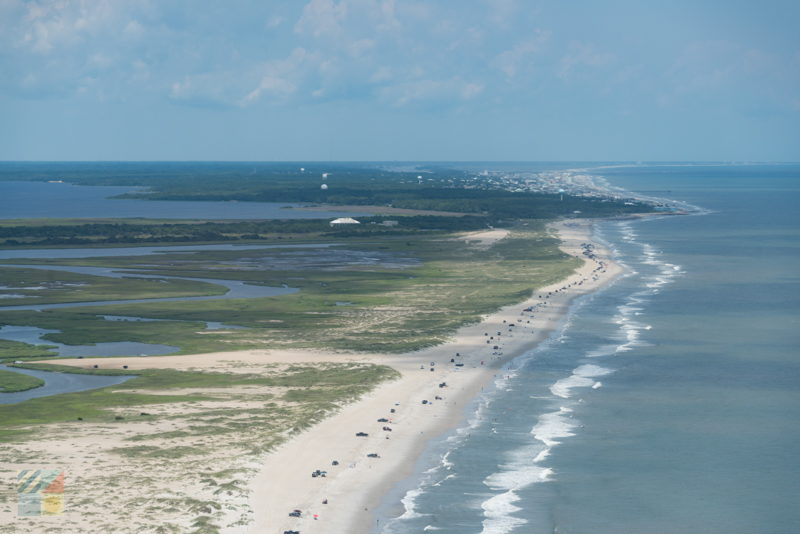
point(295, 513)
point(383, 420)
point(319, 473)
point(362, 434)
point(373, 455)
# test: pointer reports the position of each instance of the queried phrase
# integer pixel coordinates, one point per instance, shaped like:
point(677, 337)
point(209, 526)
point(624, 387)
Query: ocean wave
point(563, 388)
point(498, 510)
point(582, 377)
point(553, 426)
point(603, 350)
point(409, 501)
point(519, 471)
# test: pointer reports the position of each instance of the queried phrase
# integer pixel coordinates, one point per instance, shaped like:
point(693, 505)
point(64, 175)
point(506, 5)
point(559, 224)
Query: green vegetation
point(402, 293)
point(94, 233)
point(15, 350)
point(441, 190)
point(11, 382)
point(372, 287)
point(49, 286)
point(175, 445)
point(325, 387)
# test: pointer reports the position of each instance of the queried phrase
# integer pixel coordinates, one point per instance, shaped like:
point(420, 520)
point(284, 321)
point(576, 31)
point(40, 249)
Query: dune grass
point(170, 448)
point(329, 384)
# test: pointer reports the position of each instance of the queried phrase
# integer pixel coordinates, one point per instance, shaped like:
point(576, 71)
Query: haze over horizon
point(385, 80)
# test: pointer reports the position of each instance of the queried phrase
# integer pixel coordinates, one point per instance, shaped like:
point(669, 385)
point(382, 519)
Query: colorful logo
point(40, 492)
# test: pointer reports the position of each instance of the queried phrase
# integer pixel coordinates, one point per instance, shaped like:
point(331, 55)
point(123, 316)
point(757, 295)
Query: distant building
point(344, 220)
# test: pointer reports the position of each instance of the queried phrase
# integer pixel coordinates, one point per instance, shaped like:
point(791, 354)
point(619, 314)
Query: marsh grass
point(391, 309)
point(16, 350)
point(228, 419)
point(63, 286)
point(11, 382)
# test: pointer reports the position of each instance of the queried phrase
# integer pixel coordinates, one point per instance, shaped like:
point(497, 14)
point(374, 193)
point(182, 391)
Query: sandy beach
point(355, 486)
point(429, 399)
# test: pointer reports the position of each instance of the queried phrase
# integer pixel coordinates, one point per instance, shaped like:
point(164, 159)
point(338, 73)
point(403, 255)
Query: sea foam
point(582, 377)
point(553, 426)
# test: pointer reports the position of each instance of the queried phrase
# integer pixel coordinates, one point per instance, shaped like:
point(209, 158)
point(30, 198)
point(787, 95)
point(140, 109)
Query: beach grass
point(325, 386)
point(174, 430)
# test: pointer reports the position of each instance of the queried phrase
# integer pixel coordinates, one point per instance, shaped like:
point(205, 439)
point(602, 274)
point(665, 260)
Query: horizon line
point(630, 162)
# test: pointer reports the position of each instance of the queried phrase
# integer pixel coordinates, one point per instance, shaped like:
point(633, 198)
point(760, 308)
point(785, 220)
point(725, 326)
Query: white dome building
point(344, 220)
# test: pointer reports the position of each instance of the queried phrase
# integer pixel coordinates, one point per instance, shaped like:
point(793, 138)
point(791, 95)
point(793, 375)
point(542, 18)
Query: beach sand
point(356, 486)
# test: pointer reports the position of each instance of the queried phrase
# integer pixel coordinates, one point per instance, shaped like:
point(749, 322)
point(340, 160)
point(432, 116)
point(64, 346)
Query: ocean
point(667, 403)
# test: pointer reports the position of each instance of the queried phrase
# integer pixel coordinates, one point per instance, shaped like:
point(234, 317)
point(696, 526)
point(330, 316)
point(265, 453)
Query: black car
point(295, 513)
point(361, 434)
point(383, 420)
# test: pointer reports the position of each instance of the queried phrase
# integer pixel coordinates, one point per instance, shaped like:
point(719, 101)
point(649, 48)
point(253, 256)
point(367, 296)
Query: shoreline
point(358, 485)
point(280, 481)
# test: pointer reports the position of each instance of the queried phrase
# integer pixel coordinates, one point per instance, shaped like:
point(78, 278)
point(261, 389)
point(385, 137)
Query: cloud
point(582, 55)
point(396, 54)
point(275, 21)
point(519, 57)
point(322, 18)
point(440, 93)
point(53, 47)
point(280, 79)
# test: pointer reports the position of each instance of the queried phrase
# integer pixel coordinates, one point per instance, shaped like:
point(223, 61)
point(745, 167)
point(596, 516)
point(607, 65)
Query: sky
point(413, 80)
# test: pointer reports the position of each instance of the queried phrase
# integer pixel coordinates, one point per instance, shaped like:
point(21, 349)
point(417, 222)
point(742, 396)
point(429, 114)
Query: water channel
point(56, 382)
